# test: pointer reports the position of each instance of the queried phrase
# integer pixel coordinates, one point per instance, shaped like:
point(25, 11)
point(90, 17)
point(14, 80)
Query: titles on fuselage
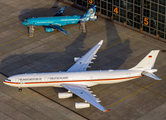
point(57, 78)
point(48, 78)
point(30, 79)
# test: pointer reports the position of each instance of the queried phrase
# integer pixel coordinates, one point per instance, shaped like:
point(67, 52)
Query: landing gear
point(83, 26)
point(31, 31)
point(20, 89)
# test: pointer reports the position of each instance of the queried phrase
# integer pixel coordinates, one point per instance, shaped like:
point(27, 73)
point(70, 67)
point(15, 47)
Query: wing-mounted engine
point(65, 95)
point(49, 29)
point(79, 105)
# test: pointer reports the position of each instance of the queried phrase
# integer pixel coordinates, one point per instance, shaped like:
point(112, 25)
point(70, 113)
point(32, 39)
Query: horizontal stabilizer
point(151, 75)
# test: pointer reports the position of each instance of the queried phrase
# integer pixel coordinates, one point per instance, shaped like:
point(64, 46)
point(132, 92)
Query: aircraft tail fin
point(148, 61)
point(90, 14)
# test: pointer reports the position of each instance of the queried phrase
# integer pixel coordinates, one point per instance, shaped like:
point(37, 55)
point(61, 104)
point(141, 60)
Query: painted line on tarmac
point(59, 104)
point(46, 90)
point(56, 47)
point(118, 42)
point(64, 67)
point(138, 84)
point(149, 89)
point(17, 39)
point(43, 104)
point(53, 95)
point(123, 46)
point(12, 40)
point(94, 64)
point(56, 94)
point(18, 48)
point(49, 99)
point(12, 28)
point(69, 53)
point(143, 88)
point(72, 55)
point(36, 99)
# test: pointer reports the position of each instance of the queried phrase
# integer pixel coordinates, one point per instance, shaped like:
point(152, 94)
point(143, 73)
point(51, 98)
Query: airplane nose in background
point(24, 23)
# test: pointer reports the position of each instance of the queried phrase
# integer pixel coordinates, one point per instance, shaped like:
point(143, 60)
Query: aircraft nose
point(7, 81)
point(24, 23)
point(4, 81)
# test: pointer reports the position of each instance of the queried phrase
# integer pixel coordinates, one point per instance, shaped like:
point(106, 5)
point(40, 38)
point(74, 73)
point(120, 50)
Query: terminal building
point(146, 16)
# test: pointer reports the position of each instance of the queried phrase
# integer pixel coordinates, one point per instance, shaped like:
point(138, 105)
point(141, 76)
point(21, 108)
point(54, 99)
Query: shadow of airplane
point(48, 62)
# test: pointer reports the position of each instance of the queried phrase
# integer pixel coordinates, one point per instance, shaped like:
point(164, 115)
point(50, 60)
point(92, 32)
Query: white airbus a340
point(77, 80)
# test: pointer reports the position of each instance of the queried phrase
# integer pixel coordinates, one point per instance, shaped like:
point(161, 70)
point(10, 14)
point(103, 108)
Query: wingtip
point(101, 42)
point(106, 110)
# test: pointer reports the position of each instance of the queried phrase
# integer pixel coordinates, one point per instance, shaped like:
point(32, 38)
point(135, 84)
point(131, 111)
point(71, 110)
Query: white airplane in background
point(77, 80)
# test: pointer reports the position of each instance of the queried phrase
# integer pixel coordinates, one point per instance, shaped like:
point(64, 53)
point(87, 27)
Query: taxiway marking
point(73, 55)
point(139, 91)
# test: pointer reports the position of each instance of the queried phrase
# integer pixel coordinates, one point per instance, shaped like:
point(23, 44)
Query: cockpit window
point(8, 80)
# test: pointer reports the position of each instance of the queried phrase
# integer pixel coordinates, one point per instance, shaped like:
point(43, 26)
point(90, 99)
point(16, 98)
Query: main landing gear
point(83, 26)
point(31, 31)
point(20, 89)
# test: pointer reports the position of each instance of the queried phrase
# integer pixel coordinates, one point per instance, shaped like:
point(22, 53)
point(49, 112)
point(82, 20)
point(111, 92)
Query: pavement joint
point(18, 47)
point(117, 42)
point(41, 103)
point(143, 88)
point(71, 54)
point(36, 39)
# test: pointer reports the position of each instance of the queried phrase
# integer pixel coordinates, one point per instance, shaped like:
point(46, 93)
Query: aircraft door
point(22, 82)
point(46, 80)
point(17, 82)
point(128, 75)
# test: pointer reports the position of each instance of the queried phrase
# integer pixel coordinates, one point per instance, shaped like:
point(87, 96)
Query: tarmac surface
point(139, 99)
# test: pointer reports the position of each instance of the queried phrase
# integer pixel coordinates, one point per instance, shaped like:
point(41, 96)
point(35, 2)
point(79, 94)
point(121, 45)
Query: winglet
point(106, 110)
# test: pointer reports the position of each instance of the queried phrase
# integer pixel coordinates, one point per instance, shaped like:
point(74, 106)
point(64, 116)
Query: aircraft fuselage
point(48, 21)
point(88, 78)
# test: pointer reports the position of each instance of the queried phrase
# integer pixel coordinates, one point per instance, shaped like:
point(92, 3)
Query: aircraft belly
point(113, 81)
point(40, 85)
point(14, 85)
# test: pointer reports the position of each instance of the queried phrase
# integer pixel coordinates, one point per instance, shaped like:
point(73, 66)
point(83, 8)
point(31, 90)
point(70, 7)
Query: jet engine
point(49, 29)
point(81, 105)
point(65, 95)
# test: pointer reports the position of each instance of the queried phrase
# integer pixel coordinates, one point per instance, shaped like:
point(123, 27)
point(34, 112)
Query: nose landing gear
point(20, 89)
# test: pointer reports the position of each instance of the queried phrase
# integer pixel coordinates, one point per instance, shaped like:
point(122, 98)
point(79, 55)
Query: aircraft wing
point(84, 93)
point(59, 28)
point(60, 11)
point(83, 63)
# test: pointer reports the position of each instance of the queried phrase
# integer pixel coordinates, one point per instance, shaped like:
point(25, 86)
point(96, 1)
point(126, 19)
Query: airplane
point(77, 80)
point(57, 21)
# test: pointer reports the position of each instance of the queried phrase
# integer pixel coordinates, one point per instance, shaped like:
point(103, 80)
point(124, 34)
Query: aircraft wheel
point(20, 89)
